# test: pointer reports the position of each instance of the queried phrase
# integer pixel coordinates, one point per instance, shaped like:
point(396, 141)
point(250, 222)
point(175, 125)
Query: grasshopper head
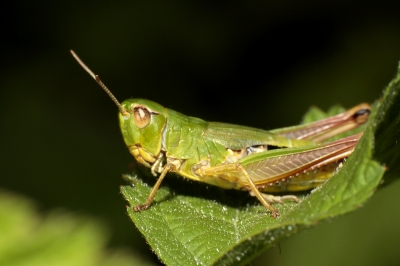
point(141, 121)
point(142, 124)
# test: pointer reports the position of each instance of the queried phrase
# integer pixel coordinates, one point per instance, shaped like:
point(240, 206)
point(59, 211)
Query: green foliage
point(196, 224)
point(55, 239)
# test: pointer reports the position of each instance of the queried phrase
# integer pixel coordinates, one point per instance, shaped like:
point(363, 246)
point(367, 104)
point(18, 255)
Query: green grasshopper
point(232, 156)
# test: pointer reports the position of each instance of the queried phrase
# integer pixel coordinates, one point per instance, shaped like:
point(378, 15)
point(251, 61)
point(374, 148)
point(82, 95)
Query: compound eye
point(141, 116)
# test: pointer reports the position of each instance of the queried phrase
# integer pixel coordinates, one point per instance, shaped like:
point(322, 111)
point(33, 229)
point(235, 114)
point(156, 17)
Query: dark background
point(260, 64)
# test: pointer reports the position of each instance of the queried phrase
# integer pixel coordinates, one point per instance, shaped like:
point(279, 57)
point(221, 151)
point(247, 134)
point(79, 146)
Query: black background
point(260, 64)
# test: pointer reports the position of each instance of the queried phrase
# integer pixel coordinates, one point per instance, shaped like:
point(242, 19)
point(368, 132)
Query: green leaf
point(314, 113)
point(58, 238)
point(194, 224)
point(387, 130)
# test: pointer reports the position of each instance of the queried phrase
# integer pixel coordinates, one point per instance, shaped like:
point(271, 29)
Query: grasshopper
point(230, 156)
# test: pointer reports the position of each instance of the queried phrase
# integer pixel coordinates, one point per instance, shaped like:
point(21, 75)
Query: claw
point(140, 207)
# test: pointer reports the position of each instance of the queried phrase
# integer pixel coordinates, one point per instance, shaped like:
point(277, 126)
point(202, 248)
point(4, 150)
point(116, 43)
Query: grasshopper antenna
point(124, 113)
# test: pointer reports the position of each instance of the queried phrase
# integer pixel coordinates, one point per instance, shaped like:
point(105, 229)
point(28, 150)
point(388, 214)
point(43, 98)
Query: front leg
point(150, 198)
point(171, 166)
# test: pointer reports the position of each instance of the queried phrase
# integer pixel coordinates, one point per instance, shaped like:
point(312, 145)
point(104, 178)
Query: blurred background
point(254, 63)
